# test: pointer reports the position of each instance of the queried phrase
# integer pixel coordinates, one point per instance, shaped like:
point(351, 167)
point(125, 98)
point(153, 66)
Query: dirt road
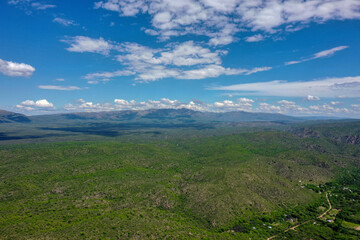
point(294, 227)
point(330, 207)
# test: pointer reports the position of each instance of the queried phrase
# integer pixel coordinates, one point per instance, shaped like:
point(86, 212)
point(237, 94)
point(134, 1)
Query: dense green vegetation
point(342, 221)
point(255, 184)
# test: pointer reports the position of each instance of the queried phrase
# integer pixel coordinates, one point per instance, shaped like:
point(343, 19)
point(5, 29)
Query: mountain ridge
point(168, 114)
point(156, 115)
point(10, 117)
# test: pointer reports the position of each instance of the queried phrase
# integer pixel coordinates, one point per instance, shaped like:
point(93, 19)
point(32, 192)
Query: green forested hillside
point(249, 185)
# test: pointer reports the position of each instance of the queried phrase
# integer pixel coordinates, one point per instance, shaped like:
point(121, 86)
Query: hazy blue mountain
point(182, 115)
point(9, 117)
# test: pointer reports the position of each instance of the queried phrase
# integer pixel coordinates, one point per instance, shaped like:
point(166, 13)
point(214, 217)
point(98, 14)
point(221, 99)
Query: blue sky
point(292, 57)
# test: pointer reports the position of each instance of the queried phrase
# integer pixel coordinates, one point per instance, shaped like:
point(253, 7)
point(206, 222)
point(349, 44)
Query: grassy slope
point(193, 188)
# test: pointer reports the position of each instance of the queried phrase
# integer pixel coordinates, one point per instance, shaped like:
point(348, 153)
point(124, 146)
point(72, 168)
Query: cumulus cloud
point(241, 104)
point(89, 106)
point(266, 107)
point(39, 103)
point(322, 54)
point(221, 20)
point(30, 105)
point(183, 54)
point(122, 104)
point(64, 22)
point(189, 54)
point(286, 102)
point(291, 108)
point(185, 60)
point(86, 44)
point(163, 103)
point(13, 69)
point(329, 87)
point(60, 88)
point(153, 64)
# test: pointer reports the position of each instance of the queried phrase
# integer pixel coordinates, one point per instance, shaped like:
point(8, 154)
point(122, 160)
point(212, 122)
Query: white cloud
point(189, 54)
point(329, 87)
point(257, 69)
point(291, 108)
point(286, 107)
point(107, 75)
point(13, 69)
point(255, 38)
point(265, 107)
point(28, 5)
point(86, 44)
point(241, 104)
point(312, 98)
point(121, 104)
point(89, 106)
point(30, 105)
point(183, 54)
point(185, 60)
point(24, 108)
point(64, 22)
point(93, 82)
point(221, 20)
point(329, 52)
point(210, 71)
point(356, 106)
point(286, 102)
point(43, 103)
point(245, 100)
point(60, 88)
point(125, 7)
point(322, 54)
point(42, 6)
point(294, 62)
point(153, 64)
point(60, 79)
point(334, 103)
point(155, 72)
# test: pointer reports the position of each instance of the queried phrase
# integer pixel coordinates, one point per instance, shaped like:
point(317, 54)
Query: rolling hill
point(9, 117)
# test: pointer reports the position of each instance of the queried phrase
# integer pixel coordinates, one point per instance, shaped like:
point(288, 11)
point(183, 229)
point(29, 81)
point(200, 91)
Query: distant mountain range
point(171, 115)
point(152, 115)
